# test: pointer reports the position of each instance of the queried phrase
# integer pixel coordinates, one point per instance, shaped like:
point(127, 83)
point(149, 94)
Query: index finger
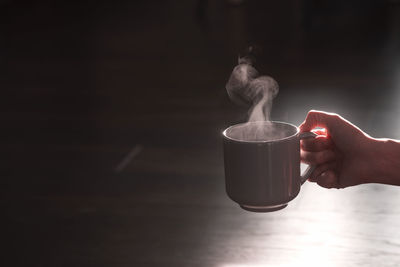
point(316, 119)
point(316, 144)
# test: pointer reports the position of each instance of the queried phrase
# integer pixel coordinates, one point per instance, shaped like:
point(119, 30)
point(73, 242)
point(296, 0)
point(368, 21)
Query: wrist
point(386, 161)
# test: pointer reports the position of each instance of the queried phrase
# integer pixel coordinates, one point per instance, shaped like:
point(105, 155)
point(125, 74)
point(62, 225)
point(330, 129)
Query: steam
point(264, 89)
point(246, 87)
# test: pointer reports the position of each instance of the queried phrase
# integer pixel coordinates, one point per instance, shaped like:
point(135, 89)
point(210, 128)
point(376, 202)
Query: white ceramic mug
point(264, 175)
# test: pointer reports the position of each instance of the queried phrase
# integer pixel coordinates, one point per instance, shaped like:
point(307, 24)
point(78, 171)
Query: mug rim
point(224, 133)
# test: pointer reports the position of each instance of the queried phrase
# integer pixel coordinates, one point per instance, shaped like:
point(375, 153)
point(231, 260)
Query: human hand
point(344, 155)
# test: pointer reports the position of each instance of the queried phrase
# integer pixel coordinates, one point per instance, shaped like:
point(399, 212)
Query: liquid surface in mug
point(260, 131)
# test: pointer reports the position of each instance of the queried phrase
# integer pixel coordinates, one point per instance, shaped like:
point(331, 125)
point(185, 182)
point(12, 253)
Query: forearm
point(387, 161)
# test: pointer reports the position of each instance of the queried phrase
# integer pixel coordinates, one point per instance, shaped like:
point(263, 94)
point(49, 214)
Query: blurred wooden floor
point(112, 115)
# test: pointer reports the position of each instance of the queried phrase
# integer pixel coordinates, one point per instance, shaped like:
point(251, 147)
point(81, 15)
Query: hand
point(344, 156)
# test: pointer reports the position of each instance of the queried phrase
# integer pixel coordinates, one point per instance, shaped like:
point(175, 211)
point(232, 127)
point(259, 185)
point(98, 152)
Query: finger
point(316, 158)
point(328, 179)
point(316, 144)
point(321, 169)
point(316, 119)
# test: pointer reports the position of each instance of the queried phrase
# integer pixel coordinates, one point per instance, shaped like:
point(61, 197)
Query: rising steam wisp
point(246, 86)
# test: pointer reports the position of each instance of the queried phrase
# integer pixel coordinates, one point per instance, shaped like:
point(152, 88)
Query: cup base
point(263, 208)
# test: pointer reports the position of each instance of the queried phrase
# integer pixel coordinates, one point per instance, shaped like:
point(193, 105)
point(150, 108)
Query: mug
point(264, 175)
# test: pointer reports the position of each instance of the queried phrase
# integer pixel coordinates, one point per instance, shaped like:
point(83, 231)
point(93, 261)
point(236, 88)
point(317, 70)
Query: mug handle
point(310, 168)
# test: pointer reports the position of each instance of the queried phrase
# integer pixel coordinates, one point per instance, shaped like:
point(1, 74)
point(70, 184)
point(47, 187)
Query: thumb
point(317, 118)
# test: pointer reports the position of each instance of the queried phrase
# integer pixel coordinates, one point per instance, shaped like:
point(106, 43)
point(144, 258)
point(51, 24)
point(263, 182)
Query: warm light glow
point(320, 131)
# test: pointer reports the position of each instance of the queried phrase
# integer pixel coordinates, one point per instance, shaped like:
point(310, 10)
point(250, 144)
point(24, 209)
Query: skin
point(345, 155)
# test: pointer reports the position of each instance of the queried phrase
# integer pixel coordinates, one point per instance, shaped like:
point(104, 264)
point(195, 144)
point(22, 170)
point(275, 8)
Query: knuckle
point(323, 156)
point(308, 157)
point(325, 177)
point(312, 114)
point(318, 144)
point(319, 157)
point(307, 145)
point(325, 180)
point(315, 158)
point(317, 172)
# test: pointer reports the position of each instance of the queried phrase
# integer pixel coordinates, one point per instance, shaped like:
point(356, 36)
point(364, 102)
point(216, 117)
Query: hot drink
point(263, 175)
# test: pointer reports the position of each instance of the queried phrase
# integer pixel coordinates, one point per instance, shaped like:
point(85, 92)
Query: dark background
point(111, 114)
